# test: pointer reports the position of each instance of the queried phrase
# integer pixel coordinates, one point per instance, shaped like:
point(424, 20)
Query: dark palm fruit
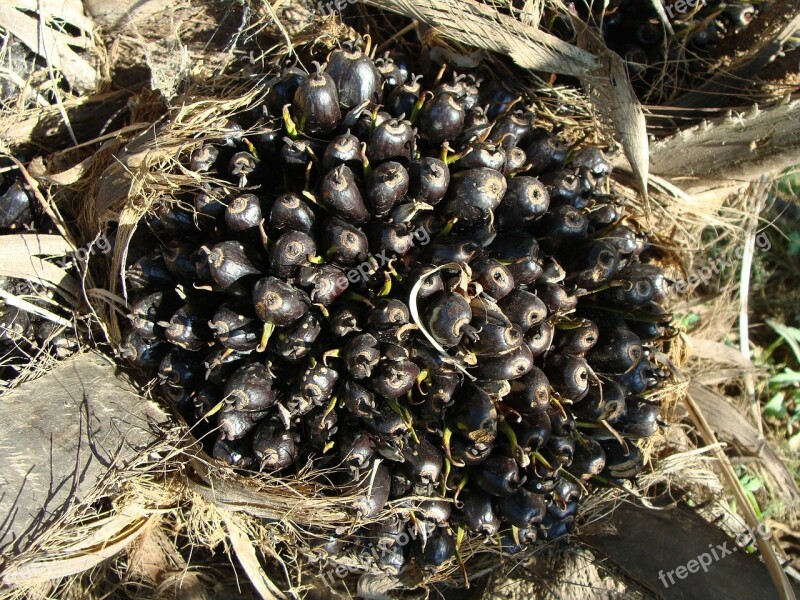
point(392, 74)
point(429, 179)
point(401, 484)
point(563, 228)
point(243, 215)
point(474, 415)
point(281, 90)
point(316, 104)
point(647, 281)
point(340, 194)
point(616, 352)
point(221, 363)
point(443, 384)
point(403, 98)
point(278, 302)
point(389, 239)
point(559, 448)
point(274, 447)
point(555, 297)
point(578, 339)
point(345, 243)
point(520, 254)
point(345, 319)
point(476, 127)
point(358, 399)
point(207, 397)
point(447, 317)
point(495, 339)
point(498, 99)
point(569, 375)
point(235, 424)
point(375, 492)
point(441, 119)
point(148, 272)
point(356, 77)
point(181, 368)
point(344, 149)
point(503, 367)
point(439, 548)
point(250, 389)
point(321, 426)
point(473, 195)
point(436, 511)
point(229, 261)
point(143, 353)
point(423, 460)
point(390, 428)
point(589, 459)
point(391, 140)
point(361, 354)
point(606, 403)
point(392, 560)
point(515, 161)
point(388, 313)
point(459, 249)
point(432, 283)
point(533, 432)
point(525, 200)
point(622, 461)
point(297, 340)
point(740, 15)
point(545, 152)
point(290, 213)
point(289, 252)
point(640, 419)
point(498, 475)
point(235, 330)
point(477, 513)
point(393, 378)
point(16, 209)
point(522, 508)
point(356, 449)
point(327, 283)
point(296, 155)
point(561, 512)
point(494, 277)
point(625, 240)
point(179, 260)
point(540, 338)
point(523, 309)
point(172, 219)
point(530, 394)
point(464, 450)
point(482, 154)
point(317, 384)
point(387, 187)
point(231, 453)
point(513, 129)
point(562, 422)
point(563, 186)
point(594, 265)
point(210, 208)
point(151, 309)
point(188, 326)
point(242, 165)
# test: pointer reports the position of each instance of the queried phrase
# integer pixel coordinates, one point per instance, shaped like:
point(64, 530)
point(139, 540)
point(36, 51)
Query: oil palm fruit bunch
point(417, 287)
point(655, 56)
point(23, 335)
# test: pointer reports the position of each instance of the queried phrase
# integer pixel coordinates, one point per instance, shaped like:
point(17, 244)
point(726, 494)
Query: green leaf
point(790, 334)
point(788, 377)
point(775, 407)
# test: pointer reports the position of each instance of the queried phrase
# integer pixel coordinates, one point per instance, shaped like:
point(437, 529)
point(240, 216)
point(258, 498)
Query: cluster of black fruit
point(655, 56)
point(22, 334)
point(421, 290)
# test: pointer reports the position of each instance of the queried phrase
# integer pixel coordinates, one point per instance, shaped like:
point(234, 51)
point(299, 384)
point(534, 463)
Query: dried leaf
point(611, 92)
